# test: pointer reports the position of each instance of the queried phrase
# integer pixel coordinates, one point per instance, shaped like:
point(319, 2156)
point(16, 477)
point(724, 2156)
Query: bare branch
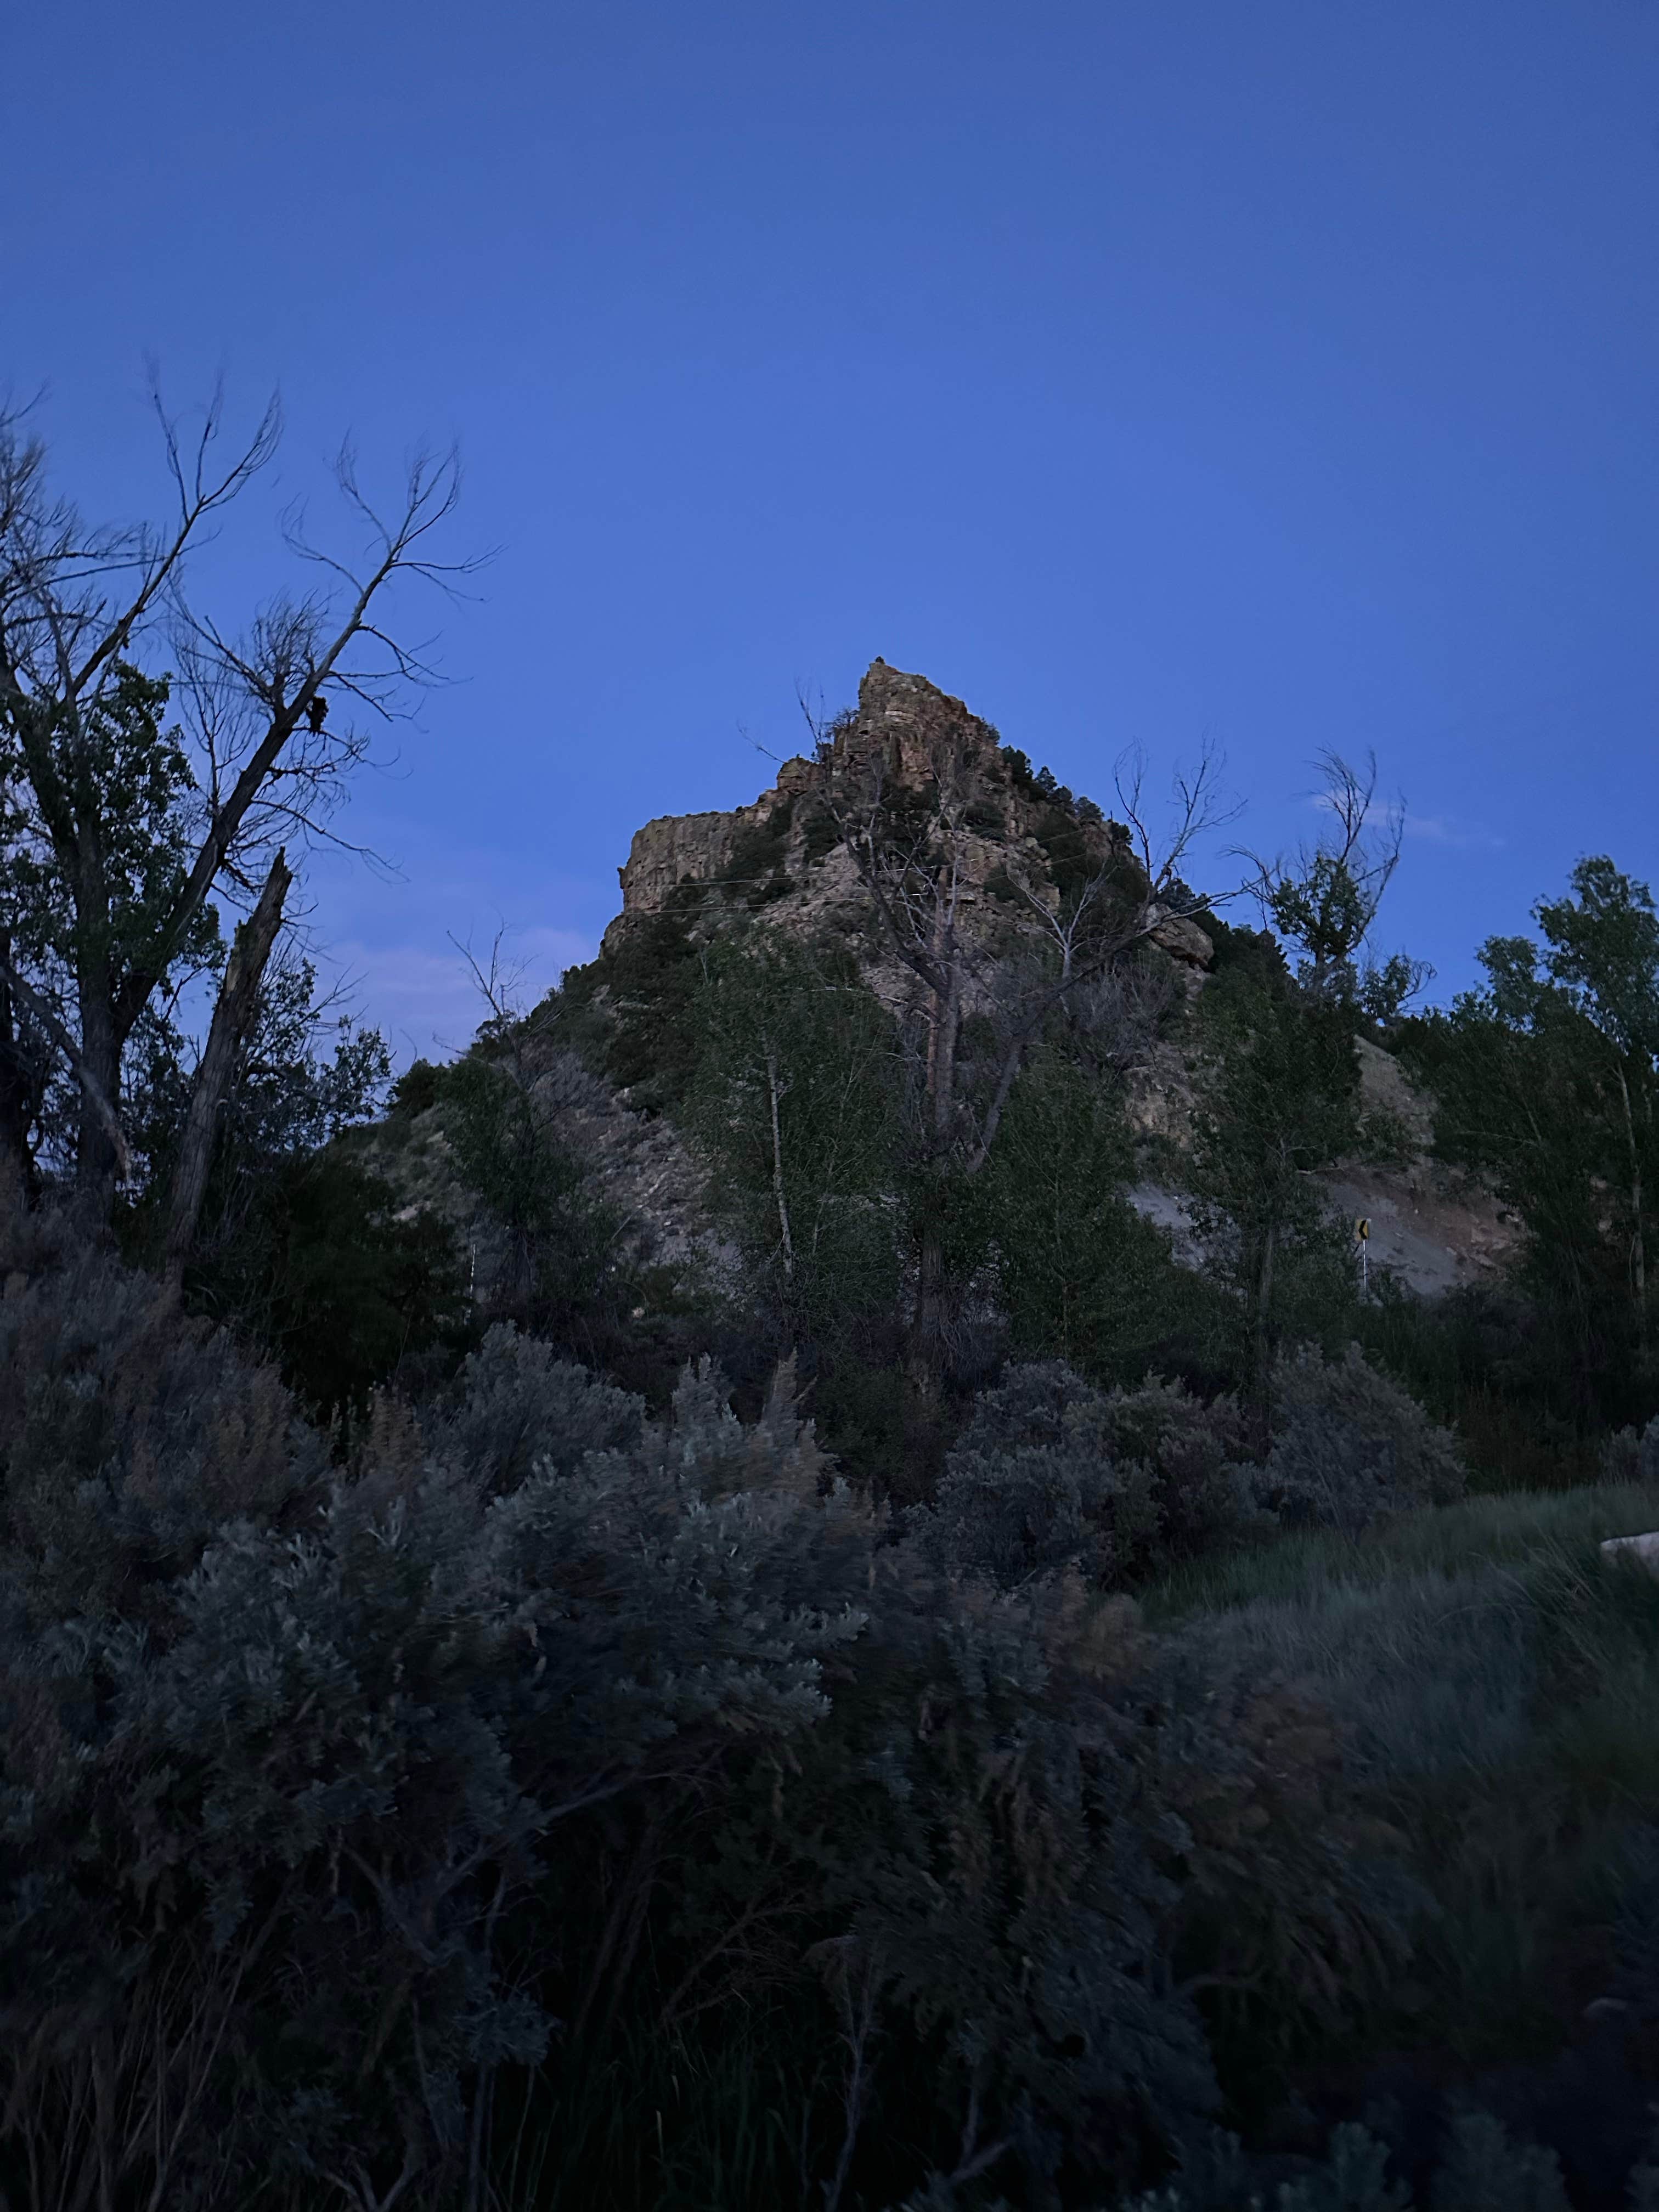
point(292, 661)
point(1198, 806)
point(1325, 898)
point(269, 762)
point(199, 496)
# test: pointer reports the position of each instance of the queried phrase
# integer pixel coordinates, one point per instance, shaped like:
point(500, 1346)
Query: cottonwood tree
point(1324, 900)
point(794, 1100)
point(1277, 1081)
point(986, 992)
point(120, 828)
point(1277, 1100)
point(1546, 1079)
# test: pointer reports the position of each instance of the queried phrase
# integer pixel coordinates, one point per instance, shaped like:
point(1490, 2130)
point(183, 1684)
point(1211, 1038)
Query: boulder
point(1639, 1550)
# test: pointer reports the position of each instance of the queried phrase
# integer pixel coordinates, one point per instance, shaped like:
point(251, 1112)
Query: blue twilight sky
point(1273, 372)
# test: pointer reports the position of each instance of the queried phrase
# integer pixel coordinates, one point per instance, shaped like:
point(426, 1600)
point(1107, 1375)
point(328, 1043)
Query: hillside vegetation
point(810, 1577)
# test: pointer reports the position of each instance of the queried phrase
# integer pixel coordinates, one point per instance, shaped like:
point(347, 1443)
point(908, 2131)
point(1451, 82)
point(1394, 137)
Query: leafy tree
point(305, 1074)
point(1326, 900)
point(1548, 1079)
point(646, 1042)
point(1603, 957)
point(1083, 1277)
point(329, 1275)
point(561, 1235)
point(134, 784)
point(1277, 1100)
point(118, 831)
point(503, 1106)
point(301, 1246)
point(795, 1098)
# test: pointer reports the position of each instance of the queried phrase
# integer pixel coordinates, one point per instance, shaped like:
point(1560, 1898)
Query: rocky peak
point(904, 716)
point(914, 723)
point(782, 852)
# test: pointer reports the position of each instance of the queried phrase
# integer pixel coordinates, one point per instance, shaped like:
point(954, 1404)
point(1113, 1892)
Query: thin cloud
point(1430, 828)
point(1435, 830)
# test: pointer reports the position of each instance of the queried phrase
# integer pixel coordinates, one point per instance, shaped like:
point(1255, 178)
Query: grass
point(1500, 1682)
point(1515, 1528)
point(682, 2126)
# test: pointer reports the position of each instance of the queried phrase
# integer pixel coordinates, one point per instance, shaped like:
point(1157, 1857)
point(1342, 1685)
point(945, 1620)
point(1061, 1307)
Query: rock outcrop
point(780, 862)
point(783, 851)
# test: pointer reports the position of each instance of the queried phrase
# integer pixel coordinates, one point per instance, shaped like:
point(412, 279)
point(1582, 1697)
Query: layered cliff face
point(783, 855)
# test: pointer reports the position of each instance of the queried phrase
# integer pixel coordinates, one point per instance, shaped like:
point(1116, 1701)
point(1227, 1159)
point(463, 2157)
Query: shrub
point(1220, 2177)
point(1051, 1471)
point(1349, 1444)
point(517, 1406)
point(255, 1862)
point(128, 1432)
point(1482, 2170)
point(541, 1732)
point(1196, 1448)
point(1632, 1455)
point(418, 1088)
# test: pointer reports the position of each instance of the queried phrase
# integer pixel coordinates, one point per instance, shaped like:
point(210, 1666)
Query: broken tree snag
point(233, 1023)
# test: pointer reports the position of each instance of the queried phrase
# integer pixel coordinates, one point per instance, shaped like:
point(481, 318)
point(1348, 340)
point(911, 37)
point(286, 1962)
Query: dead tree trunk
point(232, 1021)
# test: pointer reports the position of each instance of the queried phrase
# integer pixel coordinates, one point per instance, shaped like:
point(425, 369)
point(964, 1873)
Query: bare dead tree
point(912, 848)
point(101, 918)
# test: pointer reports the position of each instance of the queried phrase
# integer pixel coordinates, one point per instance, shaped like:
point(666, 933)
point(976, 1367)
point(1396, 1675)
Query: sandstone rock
point(1639, 1550)
point(673, 847)
point(1180, 936)
point(909, 724)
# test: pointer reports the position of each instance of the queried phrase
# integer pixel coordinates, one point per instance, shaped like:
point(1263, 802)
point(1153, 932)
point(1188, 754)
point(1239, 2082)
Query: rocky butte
point(783, 855)
point(781, 861)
